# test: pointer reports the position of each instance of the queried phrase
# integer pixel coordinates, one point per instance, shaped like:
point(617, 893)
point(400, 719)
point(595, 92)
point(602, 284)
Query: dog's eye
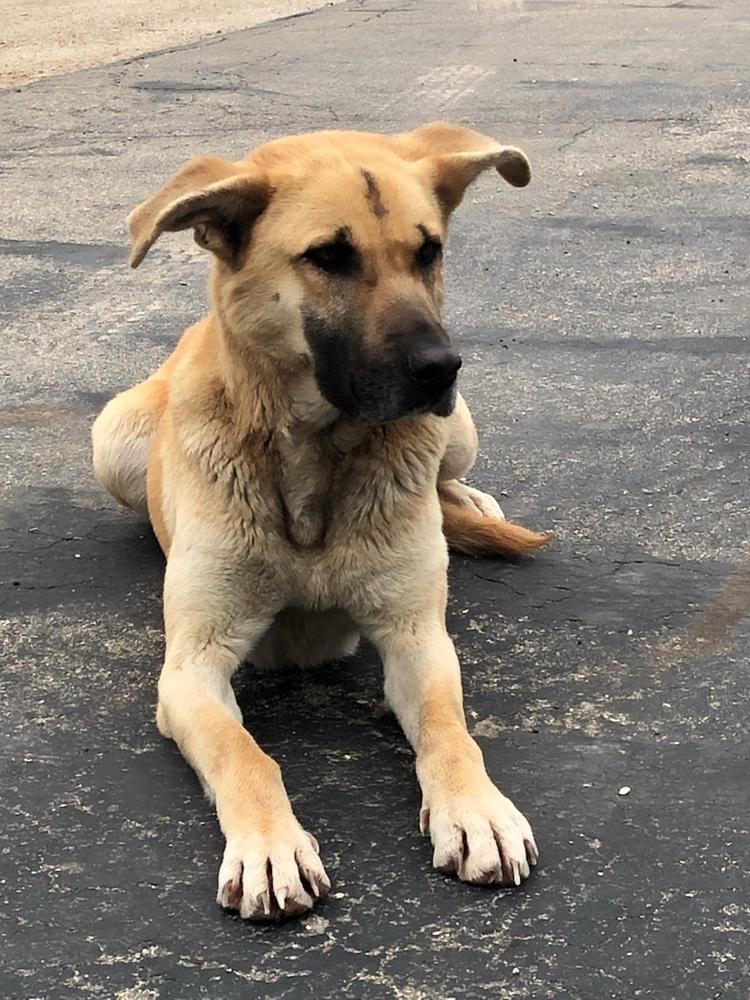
point(334, 258)
point(429, 253)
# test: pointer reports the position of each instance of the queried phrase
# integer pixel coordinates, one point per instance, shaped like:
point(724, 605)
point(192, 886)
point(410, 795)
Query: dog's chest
point(355, 482)
point(306, 471)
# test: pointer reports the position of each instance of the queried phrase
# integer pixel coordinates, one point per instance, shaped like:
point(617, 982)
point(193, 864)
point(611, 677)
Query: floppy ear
point(454, 156)
point(220, 200)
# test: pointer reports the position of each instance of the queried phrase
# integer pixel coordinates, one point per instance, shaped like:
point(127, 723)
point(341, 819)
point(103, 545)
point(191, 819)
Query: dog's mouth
point(382, 396)
point(443, 406)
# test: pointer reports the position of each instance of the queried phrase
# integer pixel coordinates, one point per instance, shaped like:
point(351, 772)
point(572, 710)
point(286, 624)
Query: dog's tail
point(475, 534)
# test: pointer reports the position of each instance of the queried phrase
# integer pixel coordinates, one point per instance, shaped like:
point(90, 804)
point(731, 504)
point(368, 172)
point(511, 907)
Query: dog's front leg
point(477, 833)
point(271, 865)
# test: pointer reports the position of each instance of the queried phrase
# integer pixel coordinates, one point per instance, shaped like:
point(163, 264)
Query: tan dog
point(292, 455)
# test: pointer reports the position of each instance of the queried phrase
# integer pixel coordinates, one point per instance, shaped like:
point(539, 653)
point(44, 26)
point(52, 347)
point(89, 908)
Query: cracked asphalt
point(602, 316)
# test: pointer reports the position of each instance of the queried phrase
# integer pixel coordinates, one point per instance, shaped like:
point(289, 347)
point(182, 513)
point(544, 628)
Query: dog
point(300, 457)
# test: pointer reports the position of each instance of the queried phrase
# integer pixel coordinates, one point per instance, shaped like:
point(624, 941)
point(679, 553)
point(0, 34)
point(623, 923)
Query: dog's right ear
point(219, 199)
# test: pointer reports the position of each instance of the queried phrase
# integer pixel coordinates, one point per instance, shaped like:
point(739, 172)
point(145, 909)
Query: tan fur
point(475, 534)
point(290, 528)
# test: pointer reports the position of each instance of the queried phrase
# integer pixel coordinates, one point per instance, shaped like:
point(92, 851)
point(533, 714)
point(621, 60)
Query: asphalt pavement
point(603, 318)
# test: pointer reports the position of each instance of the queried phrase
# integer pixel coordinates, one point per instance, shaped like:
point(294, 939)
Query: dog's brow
point(427, 236)
point(374, 196)
point(342, 235)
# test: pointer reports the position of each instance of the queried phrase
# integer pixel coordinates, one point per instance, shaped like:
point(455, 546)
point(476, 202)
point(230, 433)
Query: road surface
point(602, 315)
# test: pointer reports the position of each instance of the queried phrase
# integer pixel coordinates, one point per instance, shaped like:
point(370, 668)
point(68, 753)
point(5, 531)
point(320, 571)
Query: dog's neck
point(279, 401)
point(268, 392)
point(317, 460)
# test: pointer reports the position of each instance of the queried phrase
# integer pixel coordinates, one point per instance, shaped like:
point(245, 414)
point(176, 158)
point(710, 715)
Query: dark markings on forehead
point(373, 195)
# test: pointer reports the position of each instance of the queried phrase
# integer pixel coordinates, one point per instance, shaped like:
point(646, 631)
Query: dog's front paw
point(479, 835)
point(270, 876)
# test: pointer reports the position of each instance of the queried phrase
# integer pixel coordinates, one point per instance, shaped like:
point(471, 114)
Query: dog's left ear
point(453, 156)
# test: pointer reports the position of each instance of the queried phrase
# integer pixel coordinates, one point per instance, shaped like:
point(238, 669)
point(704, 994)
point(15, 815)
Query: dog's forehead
point(373, 188)
point(355, 180)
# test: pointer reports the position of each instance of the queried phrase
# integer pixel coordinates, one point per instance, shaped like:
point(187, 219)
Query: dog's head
point(328, 248)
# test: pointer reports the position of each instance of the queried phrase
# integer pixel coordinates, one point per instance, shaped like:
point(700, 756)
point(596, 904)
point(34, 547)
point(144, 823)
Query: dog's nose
point(433, 367)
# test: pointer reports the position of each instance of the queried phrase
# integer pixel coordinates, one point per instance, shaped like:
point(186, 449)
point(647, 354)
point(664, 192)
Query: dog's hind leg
point(460, 455)
point(121, 439)
point(473, 521)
